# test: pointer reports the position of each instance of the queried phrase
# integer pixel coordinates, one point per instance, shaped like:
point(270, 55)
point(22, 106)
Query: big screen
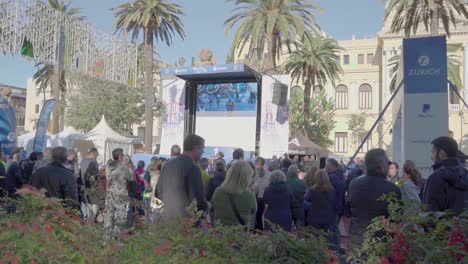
point(226, 114)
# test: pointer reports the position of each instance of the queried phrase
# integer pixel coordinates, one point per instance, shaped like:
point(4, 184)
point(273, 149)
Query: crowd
point(261, 195)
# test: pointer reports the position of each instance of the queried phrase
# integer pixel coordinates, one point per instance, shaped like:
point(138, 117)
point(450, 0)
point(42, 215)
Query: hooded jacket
point(117, 176)
point(447, 187)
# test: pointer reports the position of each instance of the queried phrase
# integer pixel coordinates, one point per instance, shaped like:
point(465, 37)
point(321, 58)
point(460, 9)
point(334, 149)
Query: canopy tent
point(27, 141)
point(106, 139)
point(66, 138)
point(300, 145)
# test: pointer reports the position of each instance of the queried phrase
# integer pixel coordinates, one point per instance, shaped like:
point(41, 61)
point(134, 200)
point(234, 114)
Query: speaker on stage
point(280, 94)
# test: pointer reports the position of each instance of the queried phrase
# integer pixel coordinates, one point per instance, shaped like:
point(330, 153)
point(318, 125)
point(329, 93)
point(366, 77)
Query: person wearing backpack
point(447, 186)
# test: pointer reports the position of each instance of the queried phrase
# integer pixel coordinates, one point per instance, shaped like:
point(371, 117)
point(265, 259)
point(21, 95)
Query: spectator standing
point(278, 202)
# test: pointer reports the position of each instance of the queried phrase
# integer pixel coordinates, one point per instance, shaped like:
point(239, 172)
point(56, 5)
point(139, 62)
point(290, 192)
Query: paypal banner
point(40, 140)
point(425, 102)
point(7, 127)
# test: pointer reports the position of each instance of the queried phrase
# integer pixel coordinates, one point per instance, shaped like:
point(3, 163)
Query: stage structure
point(33, 29)
point(229, 105)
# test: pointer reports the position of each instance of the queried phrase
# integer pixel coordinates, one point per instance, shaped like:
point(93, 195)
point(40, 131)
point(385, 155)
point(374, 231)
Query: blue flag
point(7, 127)
point(40, 140)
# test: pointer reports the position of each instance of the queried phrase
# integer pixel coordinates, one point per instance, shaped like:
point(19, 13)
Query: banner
point(274, 132)
point(7, 127)
point(222, 68)
point(172, 132)
point(40, 140)
point(425, 103)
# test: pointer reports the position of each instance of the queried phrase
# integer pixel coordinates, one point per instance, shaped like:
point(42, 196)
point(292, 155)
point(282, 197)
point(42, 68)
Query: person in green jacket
point(298, 189)
point(233, 203)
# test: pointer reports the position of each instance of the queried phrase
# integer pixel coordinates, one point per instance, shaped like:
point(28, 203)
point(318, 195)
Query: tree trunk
point(307, 94)
point(56, 96)
point(149, 93)
point(435, 20)
point(271, 53)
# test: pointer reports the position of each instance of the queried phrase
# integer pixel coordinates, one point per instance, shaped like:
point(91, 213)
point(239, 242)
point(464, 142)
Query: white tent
point(66, 138)
point(106, 139)
point(27, 141)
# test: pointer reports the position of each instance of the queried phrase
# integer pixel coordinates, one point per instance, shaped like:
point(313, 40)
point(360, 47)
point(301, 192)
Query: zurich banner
point(40, 140)
point(7, 127)
point(425, 104)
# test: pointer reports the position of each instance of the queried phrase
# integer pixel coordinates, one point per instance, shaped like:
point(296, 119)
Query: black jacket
point(59, 182)
point(447, 187)
point(364, 203)
point(15, 178)
point(214, 183)
point(2, 180)
point(322, 209)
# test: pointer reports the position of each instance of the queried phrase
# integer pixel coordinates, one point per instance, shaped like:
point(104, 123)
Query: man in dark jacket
point(214, 183)
point(57, 180)
point(298, 189)
point(181, 182)
point(364, 194)
point(447, 186)
point(338, 182)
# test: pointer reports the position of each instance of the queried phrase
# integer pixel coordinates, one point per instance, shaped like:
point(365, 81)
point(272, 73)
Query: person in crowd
point(296, 161)
point(338, 182)
point(233, 202)
point(216, 180)
point(260, 183)
point(322, 212)
point(14, 176)
point(307, 164)
point(447, 186)
point(181, 182)
point(278, 202)
point(298, 190)
point(220, 156)
point(46, 160)
point(275, 163)
point(57, 180)
point(364, 196)
point(322, 163)
point(285, 165)
point(72, 162)
point(393, 176)
point(131, 185)
point(354, 174)
point(118, 178)
point(409, 186)
point(3, 169)
point(28, 165)
point(151, 178)
point(175, 151)
point(203, 164)
point(139, 179)
point(89, 182)
point(309, 180)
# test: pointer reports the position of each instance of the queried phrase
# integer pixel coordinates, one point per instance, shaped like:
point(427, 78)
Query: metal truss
point(65, 41)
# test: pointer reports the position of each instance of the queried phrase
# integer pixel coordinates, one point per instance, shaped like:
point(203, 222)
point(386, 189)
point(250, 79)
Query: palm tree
point(314, 62)
point(408, 15)
point(157, 19)
point(269, 24)
point(46, 72)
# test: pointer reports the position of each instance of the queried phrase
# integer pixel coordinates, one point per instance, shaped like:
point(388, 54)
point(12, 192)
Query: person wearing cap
point(447, 186)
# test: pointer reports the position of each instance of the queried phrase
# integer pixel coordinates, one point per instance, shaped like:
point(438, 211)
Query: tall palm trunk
point(149, 94)
point(55, 86)
point(307, 93)
point(435, 20)
point(271, 53)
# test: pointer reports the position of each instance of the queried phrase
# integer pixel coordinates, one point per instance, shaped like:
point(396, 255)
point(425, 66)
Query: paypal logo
point(426, 108)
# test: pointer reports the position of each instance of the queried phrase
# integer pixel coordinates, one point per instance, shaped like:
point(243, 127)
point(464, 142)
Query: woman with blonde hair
point(322, 213)
point(233, 203)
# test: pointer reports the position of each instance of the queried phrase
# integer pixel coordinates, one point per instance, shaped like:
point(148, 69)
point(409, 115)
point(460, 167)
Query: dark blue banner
point(425, 65)
point(40, 140)
point(7, 127)
point(222, 68)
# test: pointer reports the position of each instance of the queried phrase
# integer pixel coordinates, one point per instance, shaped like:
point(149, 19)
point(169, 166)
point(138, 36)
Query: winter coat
point(41, 164)
point(28, 167)
point(364, 194)
point(244, 202)
point(338, 182)
point(14, 178)
point(117, 176)
point(58, 181)
point(213, 184)
point(179, 184)
point(322, 209)
point(260, 182)
point(447, 187)
point(410, 195)
point(279, 201)
point(298, 189)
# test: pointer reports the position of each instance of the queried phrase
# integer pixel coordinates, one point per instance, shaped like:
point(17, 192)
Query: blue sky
point(204, 28)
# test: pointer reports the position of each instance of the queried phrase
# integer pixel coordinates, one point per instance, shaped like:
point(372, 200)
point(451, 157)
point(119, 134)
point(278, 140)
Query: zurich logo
point(426, 108)
point(423, 61)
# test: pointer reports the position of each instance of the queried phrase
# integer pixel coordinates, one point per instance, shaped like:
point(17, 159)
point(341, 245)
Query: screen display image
point(227, 97)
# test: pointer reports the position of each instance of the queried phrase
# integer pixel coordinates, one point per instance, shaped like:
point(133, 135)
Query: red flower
point(458, 240)
point(331, 258)
point(201, 252)
point(49, 228)
point(399, 249)
point(384, 260)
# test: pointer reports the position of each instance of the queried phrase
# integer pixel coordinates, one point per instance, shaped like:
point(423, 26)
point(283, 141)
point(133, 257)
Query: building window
point(360, 58)
point(141, 132)
point(366, 146)
point(341, 97)
point(37, 109)
point(370, 58)
point(346, 59)
point(341, 142)
point(365, 96)
point(338, 59)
